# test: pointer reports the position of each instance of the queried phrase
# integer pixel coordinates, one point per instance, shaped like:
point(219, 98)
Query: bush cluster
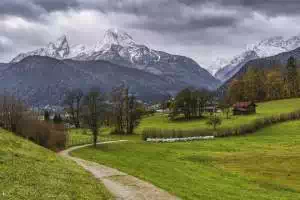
point(259, 124)
point(241, 130)
point(48, 135)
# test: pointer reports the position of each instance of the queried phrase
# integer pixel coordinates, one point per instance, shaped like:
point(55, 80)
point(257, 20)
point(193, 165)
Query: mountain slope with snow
point(263, 49)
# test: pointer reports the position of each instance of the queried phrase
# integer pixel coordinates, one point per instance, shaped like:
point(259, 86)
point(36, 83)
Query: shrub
point(214, 121)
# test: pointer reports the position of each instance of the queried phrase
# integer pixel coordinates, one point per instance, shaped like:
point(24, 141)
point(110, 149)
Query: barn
point(244, 108)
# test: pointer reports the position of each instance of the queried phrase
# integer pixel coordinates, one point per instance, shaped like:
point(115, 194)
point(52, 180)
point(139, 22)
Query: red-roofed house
point(244, 108)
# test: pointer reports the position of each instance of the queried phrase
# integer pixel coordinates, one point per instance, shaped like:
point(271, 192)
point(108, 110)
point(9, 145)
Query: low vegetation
point(28, 171)
point(264, 165)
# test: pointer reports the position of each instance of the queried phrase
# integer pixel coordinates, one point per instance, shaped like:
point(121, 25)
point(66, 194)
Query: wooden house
point(244, 108)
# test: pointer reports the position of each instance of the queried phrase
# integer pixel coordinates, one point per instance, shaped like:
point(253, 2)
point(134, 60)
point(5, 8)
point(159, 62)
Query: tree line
point(262, 85)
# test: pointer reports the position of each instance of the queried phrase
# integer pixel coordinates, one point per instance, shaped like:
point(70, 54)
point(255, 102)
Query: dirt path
point(121, 185)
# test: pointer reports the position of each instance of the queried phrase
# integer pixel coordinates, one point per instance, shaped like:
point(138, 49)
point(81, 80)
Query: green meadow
point(264, 165)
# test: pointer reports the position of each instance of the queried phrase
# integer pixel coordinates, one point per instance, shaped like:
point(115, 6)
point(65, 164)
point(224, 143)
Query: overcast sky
point(200, 29)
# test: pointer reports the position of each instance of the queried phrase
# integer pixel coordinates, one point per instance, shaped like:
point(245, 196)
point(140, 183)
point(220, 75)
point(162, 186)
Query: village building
point(244, 108)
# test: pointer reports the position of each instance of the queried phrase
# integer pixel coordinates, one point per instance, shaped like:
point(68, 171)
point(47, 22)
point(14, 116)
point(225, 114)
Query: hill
point(28, 171)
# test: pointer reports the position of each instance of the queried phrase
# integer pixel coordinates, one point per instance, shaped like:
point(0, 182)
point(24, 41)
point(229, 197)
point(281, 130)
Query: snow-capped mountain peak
point(265, 48)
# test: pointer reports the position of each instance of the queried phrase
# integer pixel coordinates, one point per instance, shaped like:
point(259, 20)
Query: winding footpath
point(122, 186)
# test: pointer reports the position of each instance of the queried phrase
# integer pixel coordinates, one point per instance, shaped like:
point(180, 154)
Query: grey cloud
point(185, 24)
point(2, 48)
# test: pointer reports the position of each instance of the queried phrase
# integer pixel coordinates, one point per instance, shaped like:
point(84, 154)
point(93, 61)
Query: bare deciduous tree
point(74, 102)
point(93, 108)
point(125, 110)
point(11, 112)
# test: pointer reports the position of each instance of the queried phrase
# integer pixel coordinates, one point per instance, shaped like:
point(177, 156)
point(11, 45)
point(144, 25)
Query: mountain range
point(263, 49)
point(43, 75)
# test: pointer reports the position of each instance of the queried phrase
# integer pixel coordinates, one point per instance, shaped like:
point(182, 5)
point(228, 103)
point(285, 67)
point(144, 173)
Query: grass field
point(30, 172)
point(266, 109)
point(265, 165)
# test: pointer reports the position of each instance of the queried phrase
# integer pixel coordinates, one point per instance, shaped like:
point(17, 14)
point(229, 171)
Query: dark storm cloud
point(168, 15)
point(186, 26)
point(268, 7)
point(33, 9)
point(149, 8)
point(56, 5)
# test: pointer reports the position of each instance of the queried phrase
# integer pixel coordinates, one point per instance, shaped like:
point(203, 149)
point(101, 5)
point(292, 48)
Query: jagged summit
point(113, 37)
point(59, 49)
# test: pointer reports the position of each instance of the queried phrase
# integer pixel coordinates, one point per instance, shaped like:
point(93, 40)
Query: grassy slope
point(28, 171)
point(265, 165)
point(263, 110)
